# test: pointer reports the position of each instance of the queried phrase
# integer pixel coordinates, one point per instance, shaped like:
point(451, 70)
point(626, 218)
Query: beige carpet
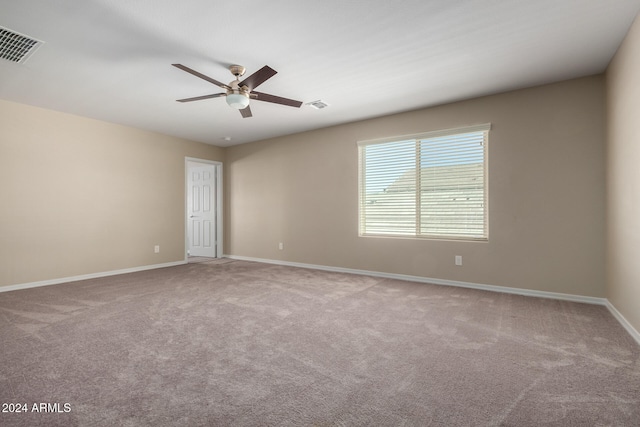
point(247, 344)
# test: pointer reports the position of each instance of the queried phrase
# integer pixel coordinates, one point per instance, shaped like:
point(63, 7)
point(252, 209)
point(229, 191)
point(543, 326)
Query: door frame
point(218, 201)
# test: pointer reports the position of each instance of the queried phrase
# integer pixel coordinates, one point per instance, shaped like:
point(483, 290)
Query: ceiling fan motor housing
point(237, 70)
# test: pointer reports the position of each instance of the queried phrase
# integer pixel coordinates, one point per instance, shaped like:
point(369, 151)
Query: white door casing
point(202, 209)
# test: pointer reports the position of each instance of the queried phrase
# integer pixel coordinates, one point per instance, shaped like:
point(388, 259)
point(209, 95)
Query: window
point(432, 185)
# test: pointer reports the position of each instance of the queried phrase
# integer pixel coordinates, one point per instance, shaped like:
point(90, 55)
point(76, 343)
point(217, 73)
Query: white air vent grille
point(318, 105)
point(16, 47)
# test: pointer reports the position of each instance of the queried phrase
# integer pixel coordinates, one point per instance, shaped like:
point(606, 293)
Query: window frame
point(417, 139)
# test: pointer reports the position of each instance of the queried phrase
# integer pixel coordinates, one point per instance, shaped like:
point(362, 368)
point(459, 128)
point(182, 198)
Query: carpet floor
point(246, 344)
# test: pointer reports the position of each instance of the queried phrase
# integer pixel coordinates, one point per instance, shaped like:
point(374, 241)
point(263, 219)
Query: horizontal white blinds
point(431, 185)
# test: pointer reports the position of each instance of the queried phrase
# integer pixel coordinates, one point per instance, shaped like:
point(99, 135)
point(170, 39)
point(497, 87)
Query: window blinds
point(431, 185)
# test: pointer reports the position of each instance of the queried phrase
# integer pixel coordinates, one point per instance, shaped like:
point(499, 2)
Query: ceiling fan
point(238, 93)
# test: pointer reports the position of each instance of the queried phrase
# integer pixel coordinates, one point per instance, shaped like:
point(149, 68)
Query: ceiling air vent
point(16, 47)
point(318, 105)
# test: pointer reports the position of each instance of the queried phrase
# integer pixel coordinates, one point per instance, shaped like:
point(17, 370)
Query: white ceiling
point(111, 59)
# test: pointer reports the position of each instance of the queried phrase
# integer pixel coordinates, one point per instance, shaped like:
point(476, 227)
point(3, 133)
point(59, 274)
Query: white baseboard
point(624, 322)
point(87, 276)
point(492, 288)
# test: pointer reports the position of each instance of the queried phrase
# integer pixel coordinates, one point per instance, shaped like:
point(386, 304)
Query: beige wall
point(80, 196)
point(623, 178)
point(546, 187)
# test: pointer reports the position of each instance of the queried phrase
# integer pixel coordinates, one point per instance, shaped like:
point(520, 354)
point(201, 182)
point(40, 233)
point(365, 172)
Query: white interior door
point(201, 209)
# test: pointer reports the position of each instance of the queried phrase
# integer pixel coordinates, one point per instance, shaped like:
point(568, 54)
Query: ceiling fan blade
point(246, 112)
point(202, 76)
point(277, 99)
point(259, 77)
point(198, 98)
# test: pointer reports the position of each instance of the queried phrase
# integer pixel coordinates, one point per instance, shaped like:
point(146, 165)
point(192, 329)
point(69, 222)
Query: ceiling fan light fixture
point(239, 101)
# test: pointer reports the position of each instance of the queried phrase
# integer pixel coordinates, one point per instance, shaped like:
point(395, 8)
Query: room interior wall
point(546, 194)
point(80, 196)
point(623, 178)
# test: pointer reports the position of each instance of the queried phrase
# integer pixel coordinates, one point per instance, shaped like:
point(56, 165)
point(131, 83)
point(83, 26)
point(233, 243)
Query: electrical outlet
point(458, 259)
point(156, 249)
point(281, 246)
